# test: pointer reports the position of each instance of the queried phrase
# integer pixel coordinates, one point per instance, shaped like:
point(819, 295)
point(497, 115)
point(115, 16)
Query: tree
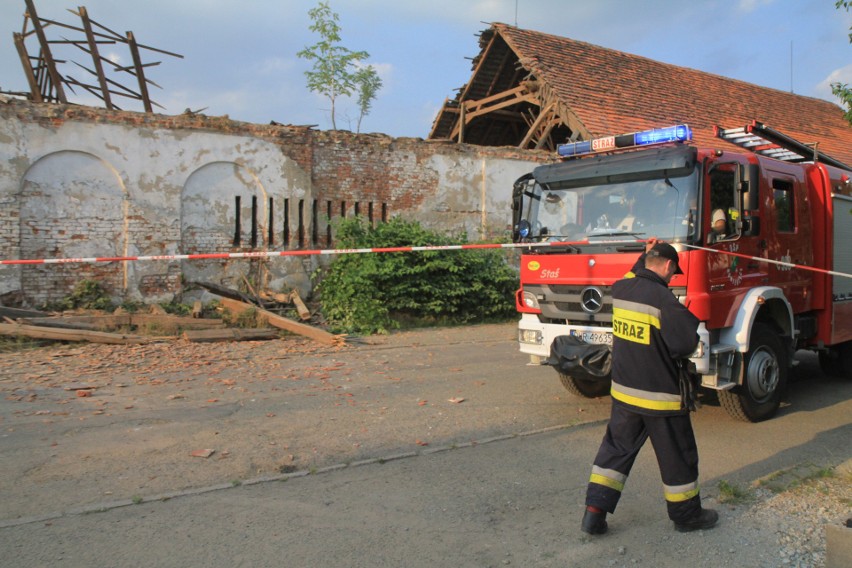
point(369, 83)
point(842, 90)
point(336, 72)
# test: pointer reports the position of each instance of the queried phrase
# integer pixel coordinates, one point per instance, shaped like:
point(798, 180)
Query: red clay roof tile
point(613, 92)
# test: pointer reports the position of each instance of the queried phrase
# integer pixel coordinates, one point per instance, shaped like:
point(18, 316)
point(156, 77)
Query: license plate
point(604, 337)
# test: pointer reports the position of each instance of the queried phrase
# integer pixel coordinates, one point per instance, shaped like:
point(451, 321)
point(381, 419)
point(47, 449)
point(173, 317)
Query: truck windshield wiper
point(559, 243)
point(556, 243)
point(613, 233)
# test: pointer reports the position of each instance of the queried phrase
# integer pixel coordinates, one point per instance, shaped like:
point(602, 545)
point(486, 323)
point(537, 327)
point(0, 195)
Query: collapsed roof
point(536, 90)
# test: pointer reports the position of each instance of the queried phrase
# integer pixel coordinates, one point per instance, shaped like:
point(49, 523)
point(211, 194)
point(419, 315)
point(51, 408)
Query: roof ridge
point(650, 61)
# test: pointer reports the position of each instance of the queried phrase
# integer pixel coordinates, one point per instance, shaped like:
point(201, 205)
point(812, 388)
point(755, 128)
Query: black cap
point(667, 251)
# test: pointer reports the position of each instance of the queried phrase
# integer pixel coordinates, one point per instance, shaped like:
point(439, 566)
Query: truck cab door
point(788, 235)
point(728, 275)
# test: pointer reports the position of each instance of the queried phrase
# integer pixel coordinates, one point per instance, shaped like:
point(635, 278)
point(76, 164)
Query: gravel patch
point(798, 516)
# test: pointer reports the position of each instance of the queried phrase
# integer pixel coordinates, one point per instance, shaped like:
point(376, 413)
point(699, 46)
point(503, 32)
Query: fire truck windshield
point(663, 207)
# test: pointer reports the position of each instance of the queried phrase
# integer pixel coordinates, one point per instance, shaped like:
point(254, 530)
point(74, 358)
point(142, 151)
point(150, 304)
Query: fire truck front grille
point(576, 307)
point(561, 302)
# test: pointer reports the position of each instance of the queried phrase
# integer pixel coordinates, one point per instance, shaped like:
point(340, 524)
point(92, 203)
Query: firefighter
point(652, 332)
point(718, 226)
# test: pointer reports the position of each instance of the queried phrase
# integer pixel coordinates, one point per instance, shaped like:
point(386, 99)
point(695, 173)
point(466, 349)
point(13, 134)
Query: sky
point(239, 56)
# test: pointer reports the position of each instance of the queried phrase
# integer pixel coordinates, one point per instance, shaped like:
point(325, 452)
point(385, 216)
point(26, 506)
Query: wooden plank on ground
point(88, 321)
point(224, 291)
point(97, 323)
point(176, 321)
point(281, 322)
point(229, 334)
point(303, 310)
point(38, 332)
point(60, 322)
point(16, 313)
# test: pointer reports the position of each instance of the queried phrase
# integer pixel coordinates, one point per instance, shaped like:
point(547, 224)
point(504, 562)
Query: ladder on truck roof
point(760, 139)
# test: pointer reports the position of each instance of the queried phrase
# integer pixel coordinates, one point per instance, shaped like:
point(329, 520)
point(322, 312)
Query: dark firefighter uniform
point(651, 329)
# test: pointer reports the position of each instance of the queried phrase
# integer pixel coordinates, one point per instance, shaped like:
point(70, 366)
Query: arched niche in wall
point(72, 206)
point(224, 208)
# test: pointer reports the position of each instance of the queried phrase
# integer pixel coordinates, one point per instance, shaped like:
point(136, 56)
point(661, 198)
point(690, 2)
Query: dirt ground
point(257, 408)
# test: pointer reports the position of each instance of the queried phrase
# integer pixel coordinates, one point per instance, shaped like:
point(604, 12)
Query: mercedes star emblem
point(592, 300)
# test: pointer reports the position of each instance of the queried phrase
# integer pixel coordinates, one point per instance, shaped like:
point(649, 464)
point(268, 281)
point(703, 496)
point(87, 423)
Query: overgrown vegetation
point(374, 293)
point(249, 319)
point(90, 295)
point(732, 494)
point(176, 308)
point(802, 474)
point(87, 295)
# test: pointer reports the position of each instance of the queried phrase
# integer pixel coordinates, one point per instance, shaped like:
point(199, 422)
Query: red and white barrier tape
point(269, 254)
point(769, 261)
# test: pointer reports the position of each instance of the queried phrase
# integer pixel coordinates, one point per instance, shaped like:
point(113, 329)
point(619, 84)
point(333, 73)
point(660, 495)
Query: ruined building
point(87, 182)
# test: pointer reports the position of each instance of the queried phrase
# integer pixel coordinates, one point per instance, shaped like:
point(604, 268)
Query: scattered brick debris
point(206, 453)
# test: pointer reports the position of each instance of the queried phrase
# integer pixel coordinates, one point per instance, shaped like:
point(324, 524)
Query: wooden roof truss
point(46, 84)
point(504, 104)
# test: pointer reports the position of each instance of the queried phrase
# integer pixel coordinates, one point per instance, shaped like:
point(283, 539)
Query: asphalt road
point(409, 475)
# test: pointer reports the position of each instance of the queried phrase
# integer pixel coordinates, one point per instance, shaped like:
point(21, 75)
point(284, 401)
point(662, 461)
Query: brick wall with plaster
point(82, 182)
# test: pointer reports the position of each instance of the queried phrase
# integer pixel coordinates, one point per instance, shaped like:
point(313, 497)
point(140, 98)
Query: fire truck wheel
point(765, 369)
point(585, 389)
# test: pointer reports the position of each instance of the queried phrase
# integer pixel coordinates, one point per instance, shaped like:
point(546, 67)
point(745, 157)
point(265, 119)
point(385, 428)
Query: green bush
point(87, 295)
point(376, 292)
point(176, 308)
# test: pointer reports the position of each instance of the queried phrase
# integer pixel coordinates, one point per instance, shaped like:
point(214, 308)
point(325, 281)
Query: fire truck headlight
point(531, 301)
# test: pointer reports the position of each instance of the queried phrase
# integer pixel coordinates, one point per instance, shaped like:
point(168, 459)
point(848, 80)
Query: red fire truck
point(763, 237)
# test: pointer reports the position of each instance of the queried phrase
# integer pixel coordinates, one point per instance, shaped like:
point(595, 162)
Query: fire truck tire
point(765, 369)
point(585, 389)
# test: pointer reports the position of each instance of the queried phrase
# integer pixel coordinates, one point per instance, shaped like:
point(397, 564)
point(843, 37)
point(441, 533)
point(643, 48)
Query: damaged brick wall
point(82, 182)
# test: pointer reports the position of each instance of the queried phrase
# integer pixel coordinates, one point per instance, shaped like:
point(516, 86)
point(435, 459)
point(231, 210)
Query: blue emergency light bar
point(678, 133)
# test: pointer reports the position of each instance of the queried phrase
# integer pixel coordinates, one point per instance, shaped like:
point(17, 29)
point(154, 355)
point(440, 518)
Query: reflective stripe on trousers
point(678, 493)
point(608, 477)
point(646, 399)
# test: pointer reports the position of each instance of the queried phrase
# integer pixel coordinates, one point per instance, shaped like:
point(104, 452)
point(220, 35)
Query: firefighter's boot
point(705, 519)
point(594, 523)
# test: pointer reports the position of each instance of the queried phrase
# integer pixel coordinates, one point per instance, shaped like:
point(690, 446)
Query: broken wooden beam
point(55, 333)
point(16, 313)
point(303, 310)
point(173, 322)
point(281, 322)
point(100, 323)
point(97, 323)
point(229, 334)
point(225, 292)
point(61, 323)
